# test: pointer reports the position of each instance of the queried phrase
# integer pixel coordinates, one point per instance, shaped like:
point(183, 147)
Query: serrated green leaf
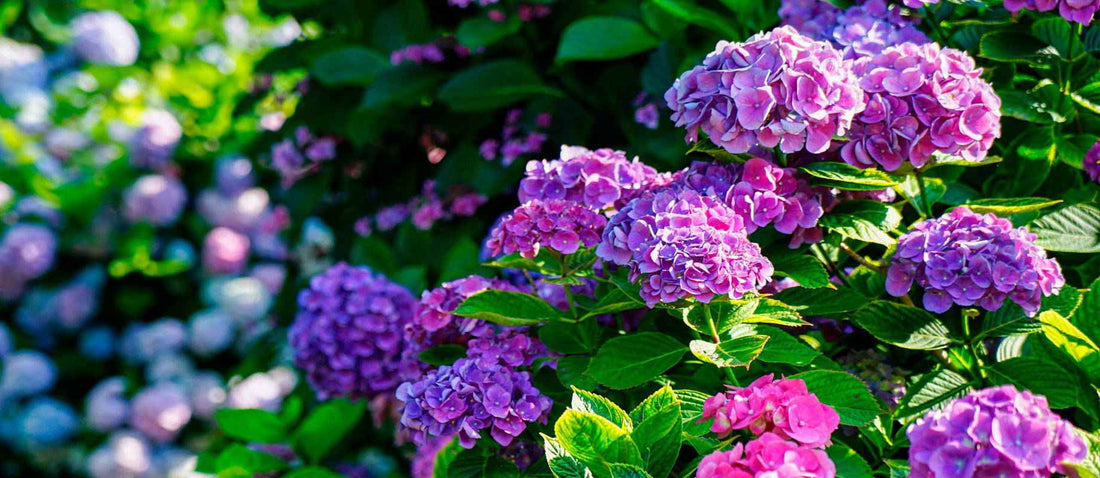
point(509, 308)
point(589, 402)
point(903, 326)
point(784, 348)
point(848, 177)
point(804, 269)
point(1064, 335)
point(326, 426)
point(691, 410)
point(1010, 319)
point(690, 12)
point(771, 311)
point(845, 393)
point(595, 441)
point(1072, 229)
point(736, 352)
point(1010, 206)
point(822, 302)
point(562, 464)
point(724, 314)
point(657, 430)
point(1039, 375)
point(631, 360)
point(848, 463)
point(932, 389)
point(251, 425)
point(1015, 47)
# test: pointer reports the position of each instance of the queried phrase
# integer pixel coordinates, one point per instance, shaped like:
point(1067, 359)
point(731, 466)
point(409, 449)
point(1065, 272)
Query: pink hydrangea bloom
point(778, 88)
point(769, 456)
point(783, 407)
point(921, 100)
point(1078, 11)
point(599, 179)
point(561, 225)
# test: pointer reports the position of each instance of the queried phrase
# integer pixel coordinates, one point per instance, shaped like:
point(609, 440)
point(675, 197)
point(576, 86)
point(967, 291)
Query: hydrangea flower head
point(160, 411)
point(105, 38)
point(47, 422)
point(154, 143)
point(225, 251)
point(813, 18)
point(558, 224)
point(864, 29)
point(683, 244)
point(767, 457)
point(106, 408)
point(783, 407)
point(1092, 162)
point(777, 88)
point(157, 199)
point(348, 334)
point(998, 431)
point(482, 391)
point(26, 373)
point(969, 259)
point(599, 179)
point(921, 100)
point(1078, 11)
point(27, 251)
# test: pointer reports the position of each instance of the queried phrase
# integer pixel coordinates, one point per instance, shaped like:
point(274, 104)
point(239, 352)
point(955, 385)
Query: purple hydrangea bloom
point(921, 100)
point(348, 334)
point(157, 199)
point(154, 144)
point(1078, 11)
point(1092, 162)
point(106, 408)
point(210, 332)
point(683, 244)
point(778, 88)
point(996, 431)
point(813, 18)
point(141, 343)
point(561, 225)
point(599, 179)
point(919, 3)
point(26, 373)
point(971, 259)
point(864, 29)
point(233, 175)
point(105, 38)
point(483, 390)
point(465, 205)
point(423, 464)
point(27, 251)
point(160, 411)
point(647, 115)
point(124, 454)
point(225, 251)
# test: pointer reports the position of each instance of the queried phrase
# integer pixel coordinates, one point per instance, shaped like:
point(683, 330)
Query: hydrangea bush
point(550, 238)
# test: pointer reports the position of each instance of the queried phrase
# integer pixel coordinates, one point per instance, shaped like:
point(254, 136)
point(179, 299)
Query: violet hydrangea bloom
point(423, 464)
point(921, 100)
point(558, 224)
point(599, 179)
point(157, 199)
point(160, 411)
point(681, 243)
point(348, 334)
point(1078, 11)
point(27, 251)
point(998, 431)
point(766, 457)
point(1092, 162)
point(105, 38)
point(483, 390)
point(777, 88)
point(971, 259)
point(106, 407)
point(813, 18)
point(154, 143)
point(783, 407)
point(864, 29)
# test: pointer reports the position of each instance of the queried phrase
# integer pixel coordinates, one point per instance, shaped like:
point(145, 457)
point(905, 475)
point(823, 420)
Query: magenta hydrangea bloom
point(783, 407)
point(970, 259)
point(1092, 162)
point(225, 251)
point(599, 179)
point(769, 456)
point(762, 194)
point(561, 225)
point(865, 29)
point(1078, 11)
point(348, 334)
point(922, 99)
point(778, 88)
point(157, 199)
point(483, 390)
point(683, 244)
point(998, 431)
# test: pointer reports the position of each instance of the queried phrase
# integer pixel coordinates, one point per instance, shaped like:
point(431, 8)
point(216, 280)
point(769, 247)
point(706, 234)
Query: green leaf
point(312, 472)
point(1064, 335)
point(1072, 229)
point(1008, 320)
point(1058, 33)
point(845, 393)
point(736, 352)
point(509, 308)
point(930, 390)
point(1016, 47)
point(771, 311)
point(573, 372)
point(903, 326)
point(240, 456)
point(352, 65)
point(724, 314)
point(847, 177)
point(481, 31)
point(848, 463)
point(589, 402)
point(461, 260)
point(615, 300)
point(690, 12)
point(542, 263)
point(595, 441)
point(804, 269)
point(657, 430)
point(857, 228)
point(440, 355)
point(251, 425)
point(822, 302)
point(631, 360)
point(326, 426)
point(562, 464)
point(493, 85)
point(604, 38)
point(1039, 375)
point(784, 348)
point(1072, 148)
point(934, 188)
point(405, 85)
point(1010, 206)
point(1087, 315)
point(691, 410)
point(620, 470)
point(568, 338)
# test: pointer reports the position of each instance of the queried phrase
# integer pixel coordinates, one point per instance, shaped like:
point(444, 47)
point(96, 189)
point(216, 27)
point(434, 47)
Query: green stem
point(927, 211)
point(718, 340)
point(833, 267)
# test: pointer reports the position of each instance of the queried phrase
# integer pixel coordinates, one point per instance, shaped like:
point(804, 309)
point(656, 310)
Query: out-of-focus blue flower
point(106, 407)
point(46, 422)
point(26, 373)
point(210, 332)
point(105, 38)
